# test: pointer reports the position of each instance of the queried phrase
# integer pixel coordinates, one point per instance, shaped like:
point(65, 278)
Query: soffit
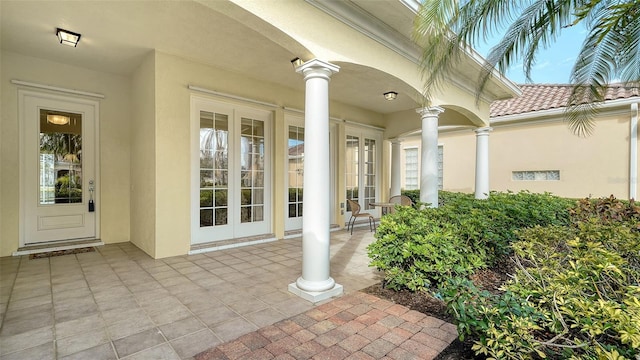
point(116, 35)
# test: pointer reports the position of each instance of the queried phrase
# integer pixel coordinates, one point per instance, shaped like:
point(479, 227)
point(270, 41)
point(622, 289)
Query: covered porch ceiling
point(117, 35)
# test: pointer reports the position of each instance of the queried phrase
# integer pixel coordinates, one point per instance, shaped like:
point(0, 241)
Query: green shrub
point(415, 251)
point(575, 294)
point(421, 248)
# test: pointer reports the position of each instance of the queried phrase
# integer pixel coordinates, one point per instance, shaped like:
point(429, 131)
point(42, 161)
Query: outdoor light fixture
point(391, 95)
point(67, 37)
point(57, 119)
point(296, 62)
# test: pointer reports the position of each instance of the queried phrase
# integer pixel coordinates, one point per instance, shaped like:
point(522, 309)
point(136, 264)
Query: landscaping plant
point(575, 290)
point(575, 293)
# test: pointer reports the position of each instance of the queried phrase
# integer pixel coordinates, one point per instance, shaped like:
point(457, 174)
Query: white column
point(482, 162)
point(315, 284)
point(395, 168)
point(429, 155)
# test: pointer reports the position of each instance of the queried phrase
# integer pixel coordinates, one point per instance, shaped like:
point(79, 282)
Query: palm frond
point(597, 65)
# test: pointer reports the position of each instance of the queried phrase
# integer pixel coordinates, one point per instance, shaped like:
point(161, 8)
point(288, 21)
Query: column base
point(316, 296)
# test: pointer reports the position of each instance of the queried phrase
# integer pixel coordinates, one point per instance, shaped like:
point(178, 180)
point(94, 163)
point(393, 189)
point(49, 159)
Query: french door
point(58, 167)
point(294, 166)
point(231, 195)
point(362, 169)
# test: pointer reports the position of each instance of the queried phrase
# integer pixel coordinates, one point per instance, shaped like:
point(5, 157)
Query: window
point(411, 176)
point(547, 175)
point(412, 172)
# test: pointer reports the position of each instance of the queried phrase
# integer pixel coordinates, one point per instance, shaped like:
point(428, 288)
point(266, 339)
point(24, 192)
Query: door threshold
point(231, 243)
point(56, 246)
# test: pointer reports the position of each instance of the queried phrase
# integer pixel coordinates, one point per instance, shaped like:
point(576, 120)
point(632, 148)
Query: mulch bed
point(61, 252)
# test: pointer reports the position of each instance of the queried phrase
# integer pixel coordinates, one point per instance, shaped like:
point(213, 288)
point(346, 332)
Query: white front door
point(58, 168)
point(231, 195)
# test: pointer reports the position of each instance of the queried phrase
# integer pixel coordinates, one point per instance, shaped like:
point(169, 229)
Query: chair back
point(402, 200)
point(355, 207)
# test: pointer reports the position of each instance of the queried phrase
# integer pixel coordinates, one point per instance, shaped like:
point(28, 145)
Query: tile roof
point(536, 97)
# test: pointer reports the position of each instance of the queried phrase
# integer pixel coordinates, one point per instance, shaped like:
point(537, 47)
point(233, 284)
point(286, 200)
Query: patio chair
point(401, 200)
point(355, 214)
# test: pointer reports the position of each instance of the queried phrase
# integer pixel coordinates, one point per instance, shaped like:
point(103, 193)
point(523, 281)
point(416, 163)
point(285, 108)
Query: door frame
point(22, 165)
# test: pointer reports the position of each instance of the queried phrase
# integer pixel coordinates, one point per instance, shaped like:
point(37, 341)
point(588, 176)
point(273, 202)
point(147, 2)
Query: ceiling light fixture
point(390, 95)
point(67, 37)
point(296, 62)
point(57, 119)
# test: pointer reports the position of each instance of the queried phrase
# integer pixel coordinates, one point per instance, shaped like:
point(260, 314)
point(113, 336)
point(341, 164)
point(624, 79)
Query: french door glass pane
point(252, 152)
point(214, 168)
point(295, 170)
point(352, 168)
point(60, 155)
point(369, 172)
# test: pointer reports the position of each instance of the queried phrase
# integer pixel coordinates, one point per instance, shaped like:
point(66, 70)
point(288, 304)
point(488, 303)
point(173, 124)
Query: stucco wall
point(143, 156)
point(597, 165)
point(114, 142)
point(172, 111)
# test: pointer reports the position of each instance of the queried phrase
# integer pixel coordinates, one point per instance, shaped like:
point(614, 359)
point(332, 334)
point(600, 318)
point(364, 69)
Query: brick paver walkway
point(355, 326)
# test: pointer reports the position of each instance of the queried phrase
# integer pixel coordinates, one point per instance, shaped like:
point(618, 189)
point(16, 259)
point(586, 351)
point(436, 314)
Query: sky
point(553, 65)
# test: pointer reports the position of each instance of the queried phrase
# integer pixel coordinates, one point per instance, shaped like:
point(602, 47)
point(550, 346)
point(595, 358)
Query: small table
point(386, 206)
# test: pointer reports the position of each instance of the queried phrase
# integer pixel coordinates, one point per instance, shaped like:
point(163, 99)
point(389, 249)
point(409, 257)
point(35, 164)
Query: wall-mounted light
point(390, 95)
point(67, 37)
point(57, 119)
point(296, 62)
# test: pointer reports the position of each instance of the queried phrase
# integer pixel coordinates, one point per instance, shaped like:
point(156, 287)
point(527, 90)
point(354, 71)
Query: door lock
point(92, 205)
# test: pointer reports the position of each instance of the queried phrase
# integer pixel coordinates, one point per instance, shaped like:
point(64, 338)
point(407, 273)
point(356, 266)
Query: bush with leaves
point(421, 247)
point(415, 251)
point(575, 294)
point(606, 210)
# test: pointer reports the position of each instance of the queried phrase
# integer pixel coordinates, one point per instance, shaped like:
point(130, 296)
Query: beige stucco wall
point(172, 129)
point(597, 165)
point(114, 142)
point(143, 156)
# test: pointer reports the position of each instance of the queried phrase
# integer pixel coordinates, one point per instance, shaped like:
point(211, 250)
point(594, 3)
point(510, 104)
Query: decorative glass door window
point(60, 158)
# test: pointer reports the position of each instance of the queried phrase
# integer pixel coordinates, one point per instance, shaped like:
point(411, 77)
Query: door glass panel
point(295, 170)
point(352, 169)
point(214, 168)
point(60, 171)
point(369, 173)
point(252, 154)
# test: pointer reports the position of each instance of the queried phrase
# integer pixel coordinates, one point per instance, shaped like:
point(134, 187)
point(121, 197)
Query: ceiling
point(116, 36)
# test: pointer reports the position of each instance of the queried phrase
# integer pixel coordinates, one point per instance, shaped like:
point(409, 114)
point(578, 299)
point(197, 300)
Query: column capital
point(317, 68)
point(432, 111)
point(483, 131)
point(395, 141)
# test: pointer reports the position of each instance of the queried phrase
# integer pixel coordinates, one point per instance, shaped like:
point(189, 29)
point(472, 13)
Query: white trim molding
point(57, 88)
point(633, 152)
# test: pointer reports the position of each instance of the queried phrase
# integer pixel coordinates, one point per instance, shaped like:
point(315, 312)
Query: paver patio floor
point(119, 303)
